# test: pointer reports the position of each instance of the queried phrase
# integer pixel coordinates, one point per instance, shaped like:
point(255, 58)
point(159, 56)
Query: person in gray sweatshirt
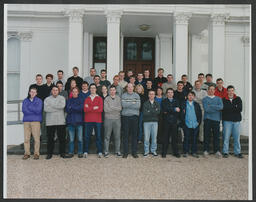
point(55, 120)
point(212, 115)
point(112, 121)
point(130, 119)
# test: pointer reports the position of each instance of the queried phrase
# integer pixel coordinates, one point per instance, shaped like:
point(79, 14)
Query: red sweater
point(93, 115)
point(222, 93)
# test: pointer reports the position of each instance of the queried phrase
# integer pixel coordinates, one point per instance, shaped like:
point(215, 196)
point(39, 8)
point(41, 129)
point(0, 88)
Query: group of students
point(140, 108)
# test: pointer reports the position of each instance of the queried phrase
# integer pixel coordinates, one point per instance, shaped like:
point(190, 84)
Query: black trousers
point(61, 133)
point(170, 130)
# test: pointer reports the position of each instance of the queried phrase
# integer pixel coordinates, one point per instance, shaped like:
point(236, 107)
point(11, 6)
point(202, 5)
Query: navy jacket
point(197, 110)
point(74, 109)
point(169, 113)
point(232, 111)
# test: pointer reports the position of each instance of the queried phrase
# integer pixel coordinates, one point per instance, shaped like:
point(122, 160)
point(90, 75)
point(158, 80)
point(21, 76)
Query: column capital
point(219, 18)
point(75, 15)
point(164, 36)
point(13, 34)
point(245, 40)
point(182, 18)
point(113, 16)
point(25, 36)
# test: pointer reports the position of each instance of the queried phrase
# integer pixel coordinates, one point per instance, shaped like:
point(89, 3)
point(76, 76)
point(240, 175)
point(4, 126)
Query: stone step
point(19, 149)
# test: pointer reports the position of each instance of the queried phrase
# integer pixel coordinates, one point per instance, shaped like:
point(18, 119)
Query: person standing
point(47, 87)
point(74, 109)
point(96, 81)
point(140, 80)
point(72, 85)
point(60, 78)
point(62, 92)
point(169, 84)
point(151, 111)
point(121, 81)
point(170, 107)
point(200, 78)
point(103, 80)
point(149, 86)
point(84, 93)
point(93, 108)
point(212, 115)
point(130, 119)
point(119, 89)
point(187, 86)
point(32, 108)
point(159, 98)
point(112, 122)
point(90, 79)
point(191, 118)
point(146, 75)
point(160, 79)
point(199, 95)
point(231, 118)
point(75, 77)
point(220, 90)
point(209, 80)
point(55, 121)
point(39, 86)
point(128, 75)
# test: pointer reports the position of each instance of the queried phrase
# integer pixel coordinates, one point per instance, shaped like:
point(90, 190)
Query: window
point(131, 51)
point(13, 69)
point(147, 49)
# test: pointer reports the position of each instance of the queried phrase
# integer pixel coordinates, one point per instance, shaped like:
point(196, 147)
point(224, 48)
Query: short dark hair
point(208, 75)
point(59, 82)
point(152, 91)
point(132, 76)
point(76, 88)
point(149, 80)
point(34, 88)
point(200, 74)
point(54, 86)
point(180, 82)
point(146, 70)
point(169, 89)
point(230, 86)
point(219, 79)
point(103, 70)
point(49, 75)
point(39, 75)
point(159, 69)
point(96, 76)
point(184, 75)
point(85, 82)
point(75, 68)
point(192, 92)
point(211, 85)
point(112, 86)
point(129, 70)
point(92, 84)
point(60, 71)
point(170, 75)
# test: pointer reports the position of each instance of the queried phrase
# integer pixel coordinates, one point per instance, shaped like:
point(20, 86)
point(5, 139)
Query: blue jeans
point(150, 130)
point(79, 131)
point(214, 127)
point(140, 126)
point(230, 127)
point(190, 133)
point(88, 132)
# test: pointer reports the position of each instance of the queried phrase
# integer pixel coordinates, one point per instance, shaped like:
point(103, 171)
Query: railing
point(11, 110)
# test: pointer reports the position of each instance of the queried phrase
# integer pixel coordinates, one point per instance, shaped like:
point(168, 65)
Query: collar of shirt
point(211, 96)
point(170, 99)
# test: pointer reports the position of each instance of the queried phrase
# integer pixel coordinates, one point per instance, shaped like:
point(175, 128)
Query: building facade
point(182, 39)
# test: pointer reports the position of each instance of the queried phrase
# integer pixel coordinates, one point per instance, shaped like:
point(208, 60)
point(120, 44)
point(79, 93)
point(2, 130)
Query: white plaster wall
point(15, 134)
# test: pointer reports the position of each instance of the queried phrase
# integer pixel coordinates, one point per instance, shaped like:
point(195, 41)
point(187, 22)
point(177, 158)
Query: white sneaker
point(206, 154)
point(100, 155)
point(218, 154)
point(85, 154)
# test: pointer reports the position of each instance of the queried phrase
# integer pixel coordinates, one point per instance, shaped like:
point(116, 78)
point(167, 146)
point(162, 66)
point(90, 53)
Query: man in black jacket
point(170, 108)
point(231, 117)
point(160, 79)
point(75, 77)
point(38, 85)
point(191, 117)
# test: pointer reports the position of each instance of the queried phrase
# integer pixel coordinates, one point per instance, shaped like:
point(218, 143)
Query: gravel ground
point(118, 178)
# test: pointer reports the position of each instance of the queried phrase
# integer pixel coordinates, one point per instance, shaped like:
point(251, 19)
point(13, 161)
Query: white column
point(86, 55)
point(180, 44)
point(90, 50)
point(113, 43)
point(165, 47)
point(25, 63)
point(247, 84)
point(75, 39)
point(157, 53)
point(122, 52)
point(216, 52)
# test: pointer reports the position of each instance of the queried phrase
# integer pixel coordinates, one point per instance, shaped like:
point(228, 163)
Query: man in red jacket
point(220, 90)
point(93, 108)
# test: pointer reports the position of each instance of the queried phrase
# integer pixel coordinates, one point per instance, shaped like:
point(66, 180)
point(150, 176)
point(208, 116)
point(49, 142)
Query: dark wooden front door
point(139, 54)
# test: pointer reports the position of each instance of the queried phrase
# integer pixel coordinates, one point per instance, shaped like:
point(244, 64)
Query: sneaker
point(125, 156)
point(85, 154)
point(135, 156)
point(206, 153)
point(154, 154)
point(145, 155)
point(25, 157)
point(177, 155)
point(80, 155)
point(239, 156)
point(185, 155)
point(195, 155)
point(139, 142)
point(106, 155)
point(49, 156)
point(100, 155)
point(118, 154)
point(63, 156)
point(69, 156)
point(36, 157)
point(225, 155)
point(218, 154)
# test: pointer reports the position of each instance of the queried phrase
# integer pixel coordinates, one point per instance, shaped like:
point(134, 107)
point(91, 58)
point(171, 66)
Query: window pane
point(13, 54)
point(131, 51)
point(13, 83)
point(100, 50)
point(147, 51)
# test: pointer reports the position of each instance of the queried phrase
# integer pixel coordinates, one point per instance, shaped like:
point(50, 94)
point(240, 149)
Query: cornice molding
point(75, 15)
point(181, 18)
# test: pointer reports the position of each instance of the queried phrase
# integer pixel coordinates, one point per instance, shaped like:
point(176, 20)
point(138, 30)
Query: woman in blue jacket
point(32, 108)
point(74, 109)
